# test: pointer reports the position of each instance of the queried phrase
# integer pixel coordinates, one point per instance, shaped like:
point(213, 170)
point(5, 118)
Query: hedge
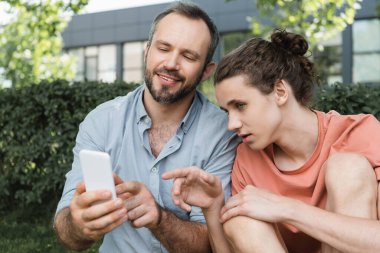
point(38, 126)
point(349, 99)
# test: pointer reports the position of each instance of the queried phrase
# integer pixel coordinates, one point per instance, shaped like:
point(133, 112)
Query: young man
point(161, 126)
point(303, 180)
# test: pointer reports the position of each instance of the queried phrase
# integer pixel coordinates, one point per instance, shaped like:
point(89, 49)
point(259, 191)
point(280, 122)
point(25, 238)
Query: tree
point(31, 43)
point(318, 20)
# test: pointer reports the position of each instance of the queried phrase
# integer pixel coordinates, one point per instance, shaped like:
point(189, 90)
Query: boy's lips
point(244, 137)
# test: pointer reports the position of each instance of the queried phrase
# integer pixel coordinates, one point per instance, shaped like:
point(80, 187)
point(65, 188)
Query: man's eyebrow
point(163, 42)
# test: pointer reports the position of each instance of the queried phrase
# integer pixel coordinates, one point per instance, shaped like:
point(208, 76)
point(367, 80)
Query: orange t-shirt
point(336, 133)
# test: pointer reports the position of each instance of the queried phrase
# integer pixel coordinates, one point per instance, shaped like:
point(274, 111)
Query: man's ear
point(208, 70)
point(281, 92)
point(146, 49)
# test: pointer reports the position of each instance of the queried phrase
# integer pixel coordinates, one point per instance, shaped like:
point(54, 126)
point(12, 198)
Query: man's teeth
point(168, 79)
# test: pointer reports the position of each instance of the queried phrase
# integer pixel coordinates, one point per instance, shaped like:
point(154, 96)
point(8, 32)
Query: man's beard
point(163, 96)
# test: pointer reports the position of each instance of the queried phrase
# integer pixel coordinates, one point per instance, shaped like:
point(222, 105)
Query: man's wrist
point(160, 211)
point(68, 234)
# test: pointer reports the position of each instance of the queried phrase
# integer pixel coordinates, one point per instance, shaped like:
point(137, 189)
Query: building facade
point(110, 45)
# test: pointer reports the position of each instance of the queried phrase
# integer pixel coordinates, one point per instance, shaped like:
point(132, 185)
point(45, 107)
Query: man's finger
point(87, 199)
point(81, 188)
point(183, 172)
point(132, 187)
point(102, 209)
point(117, 179)
point(105, 220)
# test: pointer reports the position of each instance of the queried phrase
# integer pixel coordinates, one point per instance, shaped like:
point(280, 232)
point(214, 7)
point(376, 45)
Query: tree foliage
point(31, 43)
point(318, 20)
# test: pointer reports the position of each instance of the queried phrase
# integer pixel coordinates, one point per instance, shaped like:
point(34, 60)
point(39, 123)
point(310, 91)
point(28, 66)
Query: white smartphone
point(97, 171)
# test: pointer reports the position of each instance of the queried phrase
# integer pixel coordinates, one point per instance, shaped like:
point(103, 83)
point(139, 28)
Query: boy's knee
point(250, 235)
point(349, 174)
point(231, 228)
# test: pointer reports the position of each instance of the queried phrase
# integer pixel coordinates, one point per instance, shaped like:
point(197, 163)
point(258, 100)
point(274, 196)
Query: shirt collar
point(191, 113)
point(186, 122)
point(140, 108)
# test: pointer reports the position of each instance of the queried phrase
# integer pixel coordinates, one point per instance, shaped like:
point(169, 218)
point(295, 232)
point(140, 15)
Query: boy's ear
point(208, 70)
point(281, 92)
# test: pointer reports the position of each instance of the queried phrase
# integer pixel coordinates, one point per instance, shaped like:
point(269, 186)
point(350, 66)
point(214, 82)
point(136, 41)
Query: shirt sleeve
point(90, 136)
point(362, 136)
point(220, 164)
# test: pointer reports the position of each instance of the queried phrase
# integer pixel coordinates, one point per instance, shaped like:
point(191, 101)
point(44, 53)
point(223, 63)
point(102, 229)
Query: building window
point(78, 53)
point(327, 58)
point(95, 63)
point(107, 63)
point(133, 61)
point(91, 63)
point(366, 51)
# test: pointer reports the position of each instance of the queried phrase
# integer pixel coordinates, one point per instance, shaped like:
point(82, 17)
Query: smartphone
point(97, 171)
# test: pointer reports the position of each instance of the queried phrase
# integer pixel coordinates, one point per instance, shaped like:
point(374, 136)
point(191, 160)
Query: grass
point(32, 236)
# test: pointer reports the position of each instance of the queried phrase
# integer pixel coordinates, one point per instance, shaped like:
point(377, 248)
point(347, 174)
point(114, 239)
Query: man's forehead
point(182, 28)
point(177, 19)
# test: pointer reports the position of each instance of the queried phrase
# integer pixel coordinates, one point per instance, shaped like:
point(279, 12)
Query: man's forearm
point(180, 236)
point(67, 233)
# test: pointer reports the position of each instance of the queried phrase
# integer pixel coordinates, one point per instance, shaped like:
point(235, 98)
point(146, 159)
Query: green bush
point(349, 99)
point(38, 126)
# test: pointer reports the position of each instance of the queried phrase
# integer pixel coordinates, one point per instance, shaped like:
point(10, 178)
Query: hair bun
point(291, 42)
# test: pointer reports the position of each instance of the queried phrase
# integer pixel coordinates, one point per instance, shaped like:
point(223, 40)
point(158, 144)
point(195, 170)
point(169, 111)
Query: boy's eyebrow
point(234, 101)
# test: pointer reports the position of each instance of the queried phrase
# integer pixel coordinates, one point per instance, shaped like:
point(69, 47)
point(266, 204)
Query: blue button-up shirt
point(120, 128)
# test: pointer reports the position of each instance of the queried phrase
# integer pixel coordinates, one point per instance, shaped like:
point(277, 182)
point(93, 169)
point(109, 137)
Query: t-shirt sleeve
point(237, 178)
point(361, 136)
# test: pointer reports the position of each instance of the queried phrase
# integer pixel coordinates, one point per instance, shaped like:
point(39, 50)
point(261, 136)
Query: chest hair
point(159, 135)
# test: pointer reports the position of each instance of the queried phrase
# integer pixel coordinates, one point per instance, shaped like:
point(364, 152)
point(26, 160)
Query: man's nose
point(172, 62)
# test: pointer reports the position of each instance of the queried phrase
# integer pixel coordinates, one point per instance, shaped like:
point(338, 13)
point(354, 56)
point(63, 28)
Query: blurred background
point(61, 58)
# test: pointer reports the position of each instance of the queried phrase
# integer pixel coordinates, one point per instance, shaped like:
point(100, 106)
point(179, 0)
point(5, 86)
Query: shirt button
point(154, 170)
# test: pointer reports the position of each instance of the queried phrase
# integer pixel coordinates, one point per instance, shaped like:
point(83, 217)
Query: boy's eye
point(163, 49)
point(240, 106)
point(224, 110)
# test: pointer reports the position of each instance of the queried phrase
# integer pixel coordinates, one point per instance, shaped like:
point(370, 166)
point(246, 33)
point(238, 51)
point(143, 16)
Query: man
point(161, 126)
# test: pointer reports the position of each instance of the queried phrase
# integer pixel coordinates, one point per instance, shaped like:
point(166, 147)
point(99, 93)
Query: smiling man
point(162, 125)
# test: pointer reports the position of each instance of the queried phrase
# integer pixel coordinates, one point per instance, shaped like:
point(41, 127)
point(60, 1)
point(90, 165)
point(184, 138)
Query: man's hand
point(93, 219)
point(143, 211)
point(194, 186)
